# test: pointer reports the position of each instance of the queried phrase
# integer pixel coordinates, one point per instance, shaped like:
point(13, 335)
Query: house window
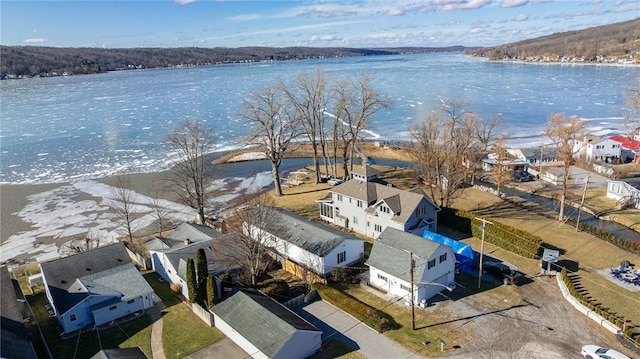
point(380, 276)
point(420, 211)
point(443, 258)
point(131, 301)
point(350, 199)
point(378, 227)
point(72, 317)
point(402, 286)
point(431, 263)
point(355, 220)
point(385, 209)
point(339, 197)
point(113, 307)
point(360, 204)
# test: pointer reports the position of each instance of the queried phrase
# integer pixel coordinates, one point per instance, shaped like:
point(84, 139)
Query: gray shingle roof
point(193, 232)
point(120, 353)
point(261, 320)
point(14, 342)
point(310, 235)
point(62, 274)
point(365, 171)
point(391, 253)
point(403, 203)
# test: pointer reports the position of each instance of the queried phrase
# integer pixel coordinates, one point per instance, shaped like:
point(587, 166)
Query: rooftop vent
point(187, 241)
point(88, 269)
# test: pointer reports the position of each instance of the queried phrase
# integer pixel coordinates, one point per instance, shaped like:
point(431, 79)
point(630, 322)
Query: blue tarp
point(463, 252)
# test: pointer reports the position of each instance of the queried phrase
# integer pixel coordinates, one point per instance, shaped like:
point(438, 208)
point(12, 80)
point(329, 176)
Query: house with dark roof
point(368, 206)
point(396, 253)
point(93, 288)
point(171, 262)
point(15, 339)
point(265, 328)
point(120, 353)
point(311, 244)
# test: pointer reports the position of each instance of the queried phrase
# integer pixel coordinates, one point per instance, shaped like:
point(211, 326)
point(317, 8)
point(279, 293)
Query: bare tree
point(160, 211)
point(501, 172)
point(250, 239)
point(632, 110)
point(440, 150)
point(274, 127)
point(79, 244)
point(309, 96)
point(191, 175)
point(356, 101)
point(486, 129)
point(563, 132)
point(122, 203)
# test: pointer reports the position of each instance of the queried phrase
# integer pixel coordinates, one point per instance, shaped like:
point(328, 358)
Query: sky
point(325, 23)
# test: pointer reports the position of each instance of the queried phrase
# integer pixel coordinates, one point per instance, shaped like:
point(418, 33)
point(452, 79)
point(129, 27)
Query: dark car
point(524, 176)
point(502, 271)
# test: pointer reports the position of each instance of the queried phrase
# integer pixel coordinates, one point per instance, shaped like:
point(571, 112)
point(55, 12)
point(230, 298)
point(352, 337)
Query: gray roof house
point(311, 244)
point(15, 341)
point(93, 288)
point(390, 267)
point(265, 328)
point(366, 205)
point(121, 353)
point(169, 254)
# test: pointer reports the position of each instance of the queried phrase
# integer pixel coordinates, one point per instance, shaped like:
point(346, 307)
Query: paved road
point(335, 323)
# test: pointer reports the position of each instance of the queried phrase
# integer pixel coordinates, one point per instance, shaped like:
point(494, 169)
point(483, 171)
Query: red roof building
point(630, 148)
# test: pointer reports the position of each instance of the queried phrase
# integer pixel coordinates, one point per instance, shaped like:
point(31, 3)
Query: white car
point(596, 352)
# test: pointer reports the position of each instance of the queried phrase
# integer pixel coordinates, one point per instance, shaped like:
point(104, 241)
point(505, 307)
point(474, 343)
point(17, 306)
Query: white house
point(366, 205)
point(265, 328)
point(595, 148)
point(624, 193)
point(92, 288)
point(309, 243)
point(390, 262)
point(169, 254)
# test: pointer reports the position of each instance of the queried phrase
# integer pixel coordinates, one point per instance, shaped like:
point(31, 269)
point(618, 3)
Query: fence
point(203, 313)
point(144, 263)
point(303, 272)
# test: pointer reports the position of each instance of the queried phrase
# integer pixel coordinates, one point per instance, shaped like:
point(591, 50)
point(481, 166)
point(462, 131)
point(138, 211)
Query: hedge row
point(374, 318)
point(510, 238)
point(631, 332)
point(602, 234)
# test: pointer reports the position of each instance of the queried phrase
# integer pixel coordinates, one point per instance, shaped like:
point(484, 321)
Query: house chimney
point(187, 241)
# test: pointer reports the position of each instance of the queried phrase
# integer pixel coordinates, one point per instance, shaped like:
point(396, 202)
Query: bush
point(278, 288)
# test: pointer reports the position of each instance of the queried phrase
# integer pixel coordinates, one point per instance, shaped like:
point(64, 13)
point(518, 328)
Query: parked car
point(596, 352)
point(502, 271)
point(524, 176)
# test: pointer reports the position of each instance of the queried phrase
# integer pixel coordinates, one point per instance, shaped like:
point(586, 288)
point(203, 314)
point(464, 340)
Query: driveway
point(337, 324)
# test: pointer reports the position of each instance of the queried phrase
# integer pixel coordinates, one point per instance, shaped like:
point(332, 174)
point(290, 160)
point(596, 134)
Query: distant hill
point(30, 61)
point(615, 43)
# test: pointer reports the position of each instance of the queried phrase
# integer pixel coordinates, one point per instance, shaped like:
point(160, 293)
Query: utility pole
point(484, 224)
point(413, 309)
point(584, 192)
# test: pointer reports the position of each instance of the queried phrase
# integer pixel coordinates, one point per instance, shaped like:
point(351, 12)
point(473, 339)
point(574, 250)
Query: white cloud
point(522, 17)
point(476, 30)
point(453, 5)
point(34, 41)
point(246, 17)
point(396, 12)
point(183, 2)
point(514, 3)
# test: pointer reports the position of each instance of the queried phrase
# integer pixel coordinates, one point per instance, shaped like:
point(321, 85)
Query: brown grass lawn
point(578, 249)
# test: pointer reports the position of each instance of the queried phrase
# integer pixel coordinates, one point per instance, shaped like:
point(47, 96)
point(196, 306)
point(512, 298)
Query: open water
point(78, 127)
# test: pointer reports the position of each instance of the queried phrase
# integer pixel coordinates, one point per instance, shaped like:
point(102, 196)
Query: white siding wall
point(301, 345)
point(244, 344)
point(353, 248)
point(348, 207)
point(164, 268)
point(443, 273)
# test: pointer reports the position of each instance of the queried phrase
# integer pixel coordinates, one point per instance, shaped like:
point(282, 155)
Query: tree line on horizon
point(34, 61)
point(616, 41)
